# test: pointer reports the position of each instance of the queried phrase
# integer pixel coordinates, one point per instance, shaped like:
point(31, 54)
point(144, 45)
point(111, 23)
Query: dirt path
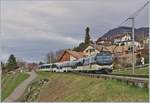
point(21, 88)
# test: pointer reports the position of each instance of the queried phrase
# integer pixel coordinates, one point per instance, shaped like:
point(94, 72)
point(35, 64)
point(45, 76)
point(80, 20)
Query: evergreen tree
point(87, 36)
point(81, 47)
point(84, 44)
point(11, 63)
point(2, 65)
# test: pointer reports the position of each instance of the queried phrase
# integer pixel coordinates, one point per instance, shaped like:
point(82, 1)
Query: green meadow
point(10, 82)
point(70, 87)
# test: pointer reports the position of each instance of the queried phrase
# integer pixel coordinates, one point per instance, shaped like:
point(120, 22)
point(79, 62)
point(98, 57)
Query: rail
point(135, 81)
point(130, 68)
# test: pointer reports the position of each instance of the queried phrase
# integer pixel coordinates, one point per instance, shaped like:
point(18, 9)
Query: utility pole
point(133, 55)
point(90, 58)
point(132, 17)
point(133, 49)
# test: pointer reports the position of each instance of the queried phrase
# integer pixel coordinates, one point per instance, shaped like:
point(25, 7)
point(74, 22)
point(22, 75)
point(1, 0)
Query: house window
point(130, 49)
point(92, 50)
point(122, 44)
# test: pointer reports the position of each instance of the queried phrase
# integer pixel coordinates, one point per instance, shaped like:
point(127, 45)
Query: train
point(102, 61)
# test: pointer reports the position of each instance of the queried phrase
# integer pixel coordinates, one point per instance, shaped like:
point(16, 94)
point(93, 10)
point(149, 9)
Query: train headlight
point(111, 66)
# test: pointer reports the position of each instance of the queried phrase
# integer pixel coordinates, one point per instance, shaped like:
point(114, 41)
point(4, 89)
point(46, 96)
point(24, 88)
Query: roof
point(121, 48)
point(117, 49)
point(124, 41)
point(99, 47)
point(32, 65)
point(122, 35)
point(112, 48)
point(104, 39)
point(75, 54)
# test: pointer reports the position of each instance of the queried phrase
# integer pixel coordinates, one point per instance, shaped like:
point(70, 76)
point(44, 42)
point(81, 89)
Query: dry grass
point(138, 71)
point(70, 87)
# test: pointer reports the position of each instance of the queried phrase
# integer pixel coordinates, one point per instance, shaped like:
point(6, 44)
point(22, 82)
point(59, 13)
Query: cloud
point(4, 57)
point(30, 29)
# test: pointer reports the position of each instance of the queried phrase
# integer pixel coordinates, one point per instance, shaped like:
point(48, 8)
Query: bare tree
point(59, 53)
point(50, 57)
point(20, 62)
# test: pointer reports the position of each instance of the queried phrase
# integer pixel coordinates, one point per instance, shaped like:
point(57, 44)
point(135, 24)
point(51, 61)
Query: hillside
point(140, 33)
point(63, 87)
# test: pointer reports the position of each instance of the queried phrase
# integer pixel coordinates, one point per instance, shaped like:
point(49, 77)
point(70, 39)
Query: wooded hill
point(140, 33)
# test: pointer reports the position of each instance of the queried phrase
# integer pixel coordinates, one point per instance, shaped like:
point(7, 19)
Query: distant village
point(120, 46)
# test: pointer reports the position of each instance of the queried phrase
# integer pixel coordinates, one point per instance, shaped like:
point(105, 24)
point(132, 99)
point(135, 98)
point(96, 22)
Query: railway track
point(128, 75)
point(130, 80)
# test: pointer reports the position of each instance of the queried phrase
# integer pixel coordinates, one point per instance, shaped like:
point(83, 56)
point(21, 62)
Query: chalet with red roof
point(70, 55)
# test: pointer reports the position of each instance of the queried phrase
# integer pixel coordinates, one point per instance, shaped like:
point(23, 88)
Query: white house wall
point(88, 49)
point(72, 58)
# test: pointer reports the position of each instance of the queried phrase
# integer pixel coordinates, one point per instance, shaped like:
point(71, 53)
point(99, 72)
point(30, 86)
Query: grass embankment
point(138, 71)
point(71, 87)
point(10, 82)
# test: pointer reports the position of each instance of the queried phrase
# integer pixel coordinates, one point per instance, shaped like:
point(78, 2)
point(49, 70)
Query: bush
point(138, 61)
point(126, 65)
point(146, 59)
point(117, 66)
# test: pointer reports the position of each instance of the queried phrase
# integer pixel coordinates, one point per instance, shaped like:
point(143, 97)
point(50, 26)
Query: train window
point(83, 60)
point(48, 66)
point(54, 66)
point(42, 67)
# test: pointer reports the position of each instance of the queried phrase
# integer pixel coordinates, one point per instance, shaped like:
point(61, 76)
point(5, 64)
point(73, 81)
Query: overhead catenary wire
point(134, 14)
point(139, 10)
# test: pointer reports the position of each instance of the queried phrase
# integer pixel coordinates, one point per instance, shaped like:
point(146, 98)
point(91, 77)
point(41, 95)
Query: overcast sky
point(31, 28)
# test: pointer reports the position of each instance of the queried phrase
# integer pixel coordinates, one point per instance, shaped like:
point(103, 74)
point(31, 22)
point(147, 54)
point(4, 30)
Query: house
point(119, 50)
point(68, 55)
point(104, 41)
point(127, 41)
point(145, 41)
point(114, 49)
point(124, 53)
point(126, 59)
point(32, 66)
point(93, 49)
point(90, 50)
point(122, 39)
